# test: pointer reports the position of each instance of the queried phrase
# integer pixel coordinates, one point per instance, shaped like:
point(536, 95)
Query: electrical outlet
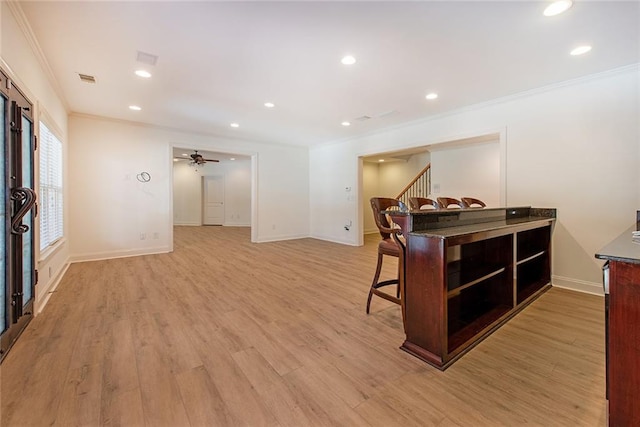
point(143, 236)
point(156, 235)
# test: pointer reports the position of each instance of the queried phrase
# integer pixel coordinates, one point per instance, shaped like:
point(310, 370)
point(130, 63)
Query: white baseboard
point(232, 224)
point(53, 285)
point(577, 285)
point(333, 240)
point(190, 224)
point(281, 238)
point(98, 256)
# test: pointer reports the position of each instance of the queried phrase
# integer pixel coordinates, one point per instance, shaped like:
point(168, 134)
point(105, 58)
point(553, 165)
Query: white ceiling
point(220, 61)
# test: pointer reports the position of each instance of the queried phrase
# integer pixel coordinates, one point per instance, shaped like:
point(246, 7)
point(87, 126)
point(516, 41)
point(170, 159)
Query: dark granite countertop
point(456, 211)
point(623, 248)
point(446, 223)
point(461, 230)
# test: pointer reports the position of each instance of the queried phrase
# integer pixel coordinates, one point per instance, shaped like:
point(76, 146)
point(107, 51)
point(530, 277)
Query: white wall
point(26, 70)
point(112, 213)
point(370, 188)
point(187, 191)
point(467, 171)
point(187, 195)
point(237, 193)
point(110, 208)
point(573, 147)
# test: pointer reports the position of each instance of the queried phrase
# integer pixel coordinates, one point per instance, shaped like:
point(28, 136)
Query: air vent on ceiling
point(362, 118)
point(147, 58)
point(87, 78)
point(385, 114)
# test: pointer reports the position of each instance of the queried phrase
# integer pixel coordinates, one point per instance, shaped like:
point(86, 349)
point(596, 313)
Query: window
point(51, 207)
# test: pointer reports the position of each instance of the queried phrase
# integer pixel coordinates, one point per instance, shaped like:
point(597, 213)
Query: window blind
point(51, 203)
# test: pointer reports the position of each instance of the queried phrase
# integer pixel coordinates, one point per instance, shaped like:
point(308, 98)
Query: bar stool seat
point(388, 247)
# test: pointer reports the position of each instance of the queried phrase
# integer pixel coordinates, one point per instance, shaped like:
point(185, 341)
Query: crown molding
point(501, 100)
point(23, 23)
point(152, 126)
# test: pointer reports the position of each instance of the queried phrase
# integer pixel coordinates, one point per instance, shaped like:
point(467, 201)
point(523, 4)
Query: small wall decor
point(143, 177)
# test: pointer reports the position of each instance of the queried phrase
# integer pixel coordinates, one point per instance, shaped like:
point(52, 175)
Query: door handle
point(28, 198)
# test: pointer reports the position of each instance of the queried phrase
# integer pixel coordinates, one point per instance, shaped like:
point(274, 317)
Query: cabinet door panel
point(624, 344)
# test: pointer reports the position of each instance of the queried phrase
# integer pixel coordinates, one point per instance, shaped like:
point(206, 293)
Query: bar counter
point(622, 314)
point(467, 271)
point(623, 248)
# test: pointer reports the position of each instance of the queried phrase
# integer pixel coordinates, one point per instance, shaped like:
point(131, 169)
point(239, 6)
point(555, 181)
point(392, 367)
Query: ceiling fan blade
point(182, 158)
point(212, 160)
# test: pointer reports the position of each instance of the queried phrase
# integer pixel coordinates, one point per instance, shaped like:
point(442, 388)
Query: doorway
point(219, 191)
point(17, 267)
point(386, 174)
point(213, 200)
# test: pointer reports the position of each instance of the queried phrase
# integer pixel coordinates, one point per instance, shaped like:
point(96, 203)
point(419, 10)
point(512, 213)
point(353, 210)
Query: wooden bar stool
point(387, 246)
point(417, 203)
point(469, 202)
point(445, 202)
point(402, 271)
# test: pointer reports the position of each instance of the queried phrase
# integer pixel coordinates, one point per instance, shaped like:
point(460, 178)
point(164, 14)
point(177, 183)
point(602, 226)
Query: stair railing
point(420, 186)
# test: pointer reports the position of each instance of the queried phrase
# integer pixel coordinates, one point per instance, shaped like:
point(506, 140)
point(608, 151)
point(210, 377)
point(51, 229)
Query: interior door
point(18, 214)
point(213, 200)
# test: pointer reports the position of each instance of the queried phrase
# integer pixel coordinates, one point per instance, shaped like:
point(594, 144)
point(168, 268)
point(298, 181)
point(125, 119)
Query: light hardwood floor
point(222, 332)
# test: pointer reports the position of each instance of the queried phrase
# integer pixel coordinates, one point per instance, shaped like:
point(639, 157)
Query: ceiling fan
point(197, 159)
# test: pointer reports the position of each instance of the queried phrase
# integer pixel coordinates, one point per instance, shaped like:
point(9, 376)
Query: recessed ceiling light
point(381, 161)
point(348, 60)
point(580, 50)
point(557, 7)
point(185, 154)
point(269, 104)
point(431, 96)
point(235, 125)
point(134, 108)
point(143, 73)
point(346, 124)
point(175, 160)
point(233, 158)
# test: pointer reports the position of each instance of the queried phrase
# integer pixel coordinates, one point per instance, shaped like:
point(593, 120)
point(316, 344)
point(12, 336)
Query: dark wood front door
point(17, 267)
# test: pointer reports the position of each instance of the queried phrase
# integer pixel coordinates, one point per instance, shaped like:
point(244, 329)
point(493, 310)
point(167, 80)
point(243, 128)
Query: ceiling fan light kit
point(196, 159)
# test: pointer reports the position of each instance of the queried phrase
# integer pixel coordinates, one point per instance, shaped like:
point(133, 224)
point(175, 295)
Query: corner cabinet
point(467, 272)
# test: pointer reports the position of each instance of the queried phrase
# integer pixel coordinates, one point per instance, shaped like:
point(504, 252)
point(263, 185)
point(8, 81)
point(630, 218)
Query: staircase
point(420, 186)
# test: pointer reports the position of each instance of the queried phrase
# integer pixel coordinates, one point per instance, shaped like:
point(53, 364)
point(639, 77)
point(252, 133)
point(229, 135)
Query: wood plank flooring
point(222, 332)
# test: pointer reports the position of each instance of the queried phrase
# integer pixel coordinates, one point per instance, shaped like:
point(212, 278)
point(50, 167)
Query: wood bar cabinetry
point(624, 344)
point(623, 330)
point(468, 272)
